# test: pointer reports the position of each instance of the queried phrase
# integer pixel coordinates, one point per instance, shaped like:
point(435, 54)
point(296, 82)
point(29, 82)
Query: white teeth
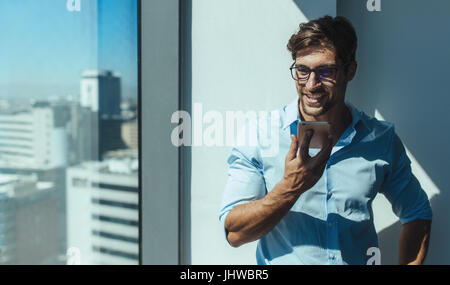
point(314, 97)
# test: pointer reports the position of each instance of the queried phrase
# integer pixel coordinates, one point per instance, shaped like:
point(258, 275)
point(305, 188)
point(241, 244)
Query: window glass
point(69, 132)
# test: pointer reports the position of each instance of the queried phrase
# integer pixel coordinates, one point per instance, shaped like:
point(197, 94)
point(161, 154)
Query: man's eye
point(326, 71)
point(303, 71)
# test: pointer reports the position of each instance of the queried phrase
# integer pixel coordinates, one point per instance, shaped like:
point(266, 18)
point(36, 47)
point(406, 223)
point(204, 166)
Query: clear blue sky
point(44, 47)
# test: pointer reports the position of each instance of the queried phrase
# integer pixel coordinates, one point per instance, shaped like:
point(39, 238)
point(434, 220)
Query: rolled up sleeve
point(409, 201)
point(245, 180)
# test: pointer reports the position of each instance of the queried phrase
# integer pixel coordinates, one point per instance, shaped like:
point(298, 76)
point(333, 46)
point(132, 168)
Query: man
point(307, 206)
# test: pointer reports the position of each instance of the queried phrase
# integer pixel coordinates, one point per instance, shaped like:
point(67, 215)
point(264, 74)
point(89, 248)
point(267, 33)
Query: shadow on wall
point(402, 58)
point(185, 152)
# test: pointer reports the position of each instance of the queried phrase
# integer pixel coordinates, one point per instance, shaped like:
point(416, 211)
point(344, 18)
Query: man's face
point(322, 90)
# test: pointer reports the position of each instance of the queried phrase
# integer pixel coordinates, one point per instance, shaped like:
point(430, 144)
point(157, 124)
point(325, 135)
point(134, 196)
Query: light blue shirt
point(331, 223)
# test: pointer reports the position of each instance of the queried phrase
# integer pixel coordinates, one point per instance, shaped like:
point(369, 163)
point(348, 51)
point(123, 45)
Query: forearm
point(413, 243)
point(251, 221)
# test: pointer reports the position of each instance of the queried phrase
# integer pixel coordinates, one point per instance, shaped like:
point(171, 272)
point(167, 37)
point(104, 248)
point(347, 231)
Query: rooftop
point(98, 73)
point(15, 185)
point(118, 162)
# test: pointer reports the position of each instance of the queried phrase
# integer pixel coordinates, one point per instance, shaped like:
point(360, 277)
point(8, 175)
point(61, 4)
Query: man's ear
point(351, 70)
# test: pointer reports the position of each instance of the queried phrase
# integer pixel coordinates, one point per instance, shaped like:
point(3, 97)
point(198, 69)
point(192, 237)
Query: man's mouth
point(313, 99)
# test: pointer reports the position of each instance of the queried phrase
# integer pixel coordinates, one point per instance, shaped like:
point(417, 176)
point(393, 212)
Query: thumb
point(292, 152)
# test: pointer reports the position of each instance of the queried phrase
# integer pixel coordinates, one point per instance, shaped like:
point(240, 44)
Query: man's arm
point(410, 203)
point(413, 243)
point(251, 221)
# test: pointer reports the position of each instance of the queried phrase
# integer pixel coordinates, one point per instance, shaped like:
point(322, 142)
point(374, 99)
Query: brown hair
point(337, 33)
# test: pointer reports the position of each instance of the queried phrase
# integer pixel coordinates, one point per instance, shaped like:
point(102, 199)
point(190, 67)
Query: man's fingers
point(292, 152)
point(304, 147)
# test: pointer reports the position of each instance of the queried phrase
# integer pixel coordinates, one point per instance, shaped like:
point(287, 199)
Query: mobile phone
point(320, 135)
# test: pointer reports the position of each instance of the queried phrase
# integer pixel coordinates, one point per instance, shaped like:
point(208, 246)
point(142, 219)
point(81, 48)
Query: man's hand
point(251, 221)
point(303, 171)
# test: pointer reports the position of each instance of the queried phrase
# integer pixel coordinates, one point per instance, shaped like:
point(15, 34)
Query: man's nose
point(313, 81)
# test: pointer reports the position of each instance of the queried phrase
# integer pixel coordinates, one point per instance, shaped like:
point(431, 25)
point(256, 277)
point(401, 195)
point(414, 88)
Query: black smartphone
point(320, 136)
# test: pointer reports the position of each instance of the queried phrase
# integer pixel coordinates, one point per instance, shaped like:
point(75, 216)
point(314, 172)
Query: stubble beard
point(312, 111)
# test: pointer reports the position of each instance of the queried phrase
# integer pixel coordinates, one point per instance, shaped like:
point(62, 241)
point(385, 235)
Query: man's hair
point(337, 33)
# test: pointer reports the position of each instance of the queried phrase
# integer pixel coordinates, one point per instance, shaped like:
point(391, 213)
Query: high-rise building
point(34, 143)
point(100, 120)
point(84, 135)
point(34, 138)
point(101, 92)
point(29, 225)
point(102, 210)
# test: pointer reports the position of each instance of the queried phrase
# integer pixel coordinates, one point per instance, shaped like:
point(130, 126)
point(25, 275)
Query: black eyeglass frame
point(315, 70)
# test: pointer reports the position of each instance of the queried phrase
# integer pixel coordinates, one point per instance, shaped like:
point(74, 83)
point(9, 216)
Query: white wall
point(239, 61)
point(403, 58)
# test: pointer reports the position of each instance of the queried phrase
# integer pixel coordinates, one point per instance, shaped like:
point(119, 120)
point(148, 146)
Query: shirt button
point(329, 194)
point(330, 224)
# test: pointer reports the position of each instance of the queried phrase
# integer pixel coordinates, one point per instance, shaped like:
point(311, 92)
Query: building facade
point(101, 92)
point(34, 138)
point(102, 211)
point(30, 230)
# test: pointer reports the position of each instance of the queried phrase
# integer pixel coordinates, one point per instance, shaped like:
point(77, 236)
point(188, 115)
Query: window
point(68, 68)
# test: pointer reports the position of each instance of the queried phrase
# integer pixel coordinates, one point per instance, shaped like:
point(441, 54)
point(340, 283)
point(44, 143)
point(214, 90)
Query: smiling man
point(311, 206)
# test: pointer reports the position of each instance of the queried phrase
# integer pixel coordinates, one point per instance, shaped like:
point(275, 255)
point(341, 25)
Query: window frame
point(163, 199)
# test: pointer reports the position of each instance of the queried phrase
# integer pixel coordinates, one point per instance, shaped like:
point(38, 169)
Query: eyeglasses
point(301, 73)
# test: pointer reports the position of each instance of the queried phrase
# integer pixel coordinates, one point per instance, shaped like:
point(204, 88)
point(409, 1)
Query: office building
point(34, 138)
point(101, 92)
point(102, 210)
point(29, 225)
point(99, 115)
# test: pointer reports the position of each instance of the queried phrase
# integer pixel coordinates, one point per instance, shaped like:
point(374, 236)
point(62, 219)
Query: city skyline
point(68, 93)
point(40, 148)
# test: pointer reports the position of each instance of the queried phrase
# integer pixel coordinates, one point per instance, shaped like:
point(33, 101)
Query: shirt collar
point(356, 115)
point(292, 114)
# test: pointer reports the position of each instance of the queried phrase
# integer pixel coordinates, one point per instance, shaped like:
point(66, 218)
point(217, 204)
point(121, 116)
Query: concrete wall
point(237, 53)
point(403, 58)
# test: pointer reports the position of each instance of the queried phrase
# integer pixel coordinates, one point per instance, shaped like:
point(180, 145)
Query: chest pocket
point(354, 183)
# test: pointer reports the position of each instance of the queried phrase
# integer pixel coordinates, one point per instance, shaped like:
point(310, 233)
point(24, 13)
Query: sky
point(44, 47)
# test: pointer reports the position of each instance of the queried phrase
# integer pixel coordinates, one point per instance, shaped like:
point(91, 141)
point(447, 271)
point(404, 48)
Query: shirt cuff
point(424, 214)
